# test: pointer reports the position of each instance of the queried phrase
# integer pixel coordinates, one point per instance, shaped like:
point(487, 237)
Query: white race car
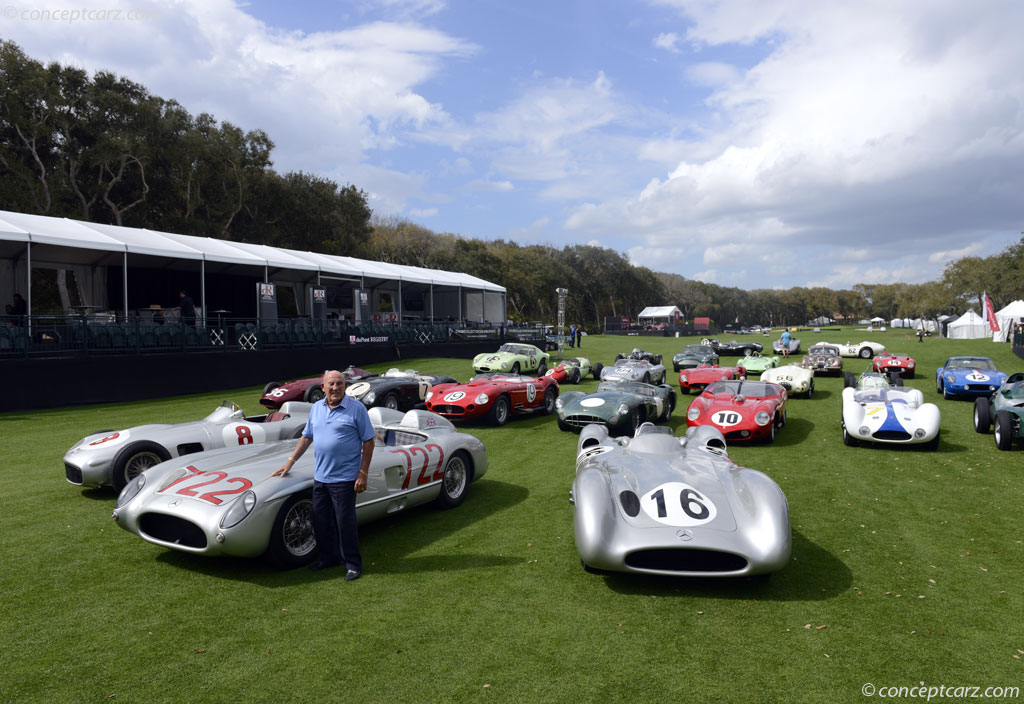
point(875, 411)
point(864, 350)
point(794, 378)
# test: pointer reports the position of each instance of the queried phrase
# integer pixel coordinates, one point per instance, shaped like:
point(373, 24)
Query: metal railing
point(44, 336)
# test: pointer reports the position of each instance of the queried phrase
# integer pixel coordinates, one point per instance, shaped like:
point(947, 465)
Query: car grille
point(738, 435)
point(171, 529)
point(581, 419)
point(978, 387)
point(894, 435)
point(448, 410)
point(73, 473)
point(486, 369)
point(685, 560)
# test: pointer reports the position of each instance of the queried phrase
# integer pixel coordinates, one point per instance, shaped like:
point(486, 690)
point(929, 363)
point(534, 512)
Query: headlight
point(481, 399)
point(910, 364)
point(682, 378)
point(920, 433)
point(131, 490)
point(370, 397)
point(693, 413)
point(864, 430)
point(763, 418)
point(240, 509)
point(622, 410)
point(559, 402)
point(430, 395)
point(950, 379)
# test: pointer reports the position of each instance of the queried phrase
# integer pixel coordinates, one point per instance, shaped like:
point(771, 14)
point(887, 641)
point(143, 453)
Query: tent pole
point(202, 287)
point(124, 283)
point(28, 289)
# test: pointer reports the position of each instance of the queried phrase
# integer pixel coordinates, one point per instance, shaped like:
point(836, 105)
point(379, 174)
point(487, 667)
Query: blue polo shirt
point(786, 337)
point(338, 435)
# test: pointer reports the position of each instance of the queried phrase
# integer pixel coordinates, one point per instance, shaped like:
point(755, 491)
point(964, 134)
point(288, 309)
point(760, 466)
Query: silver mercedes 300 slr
point(225, 502)
point(114, 458)
point(658, 504)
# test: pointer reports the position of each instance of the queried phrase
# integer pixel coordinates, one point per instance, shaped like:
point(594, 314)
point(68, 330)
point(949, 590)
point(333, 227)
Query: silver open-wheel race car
point(115, 457)
point(658, 504)
point(226, 503)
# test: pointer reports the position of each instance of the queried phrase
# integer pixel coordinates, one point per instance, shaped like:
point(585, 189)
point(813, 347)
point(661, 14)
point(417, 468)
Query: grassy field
point(906, 569)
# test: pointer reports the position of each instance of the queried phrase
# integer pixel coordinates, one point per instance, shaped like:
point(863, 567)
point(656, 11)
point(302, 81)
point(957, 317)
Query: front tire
point(498, 415)
point(542, 369)
point(549, 401)
point(574, 375)
point(849, 381)
point(598, 367)
point(270, 387)
point(1004, 430)
point(848, 439)
point(515, 368)
point(455, 481)
point(810, 390)
point(134, 460)
point(292, 542)
point(390, 401)
point(982, 415)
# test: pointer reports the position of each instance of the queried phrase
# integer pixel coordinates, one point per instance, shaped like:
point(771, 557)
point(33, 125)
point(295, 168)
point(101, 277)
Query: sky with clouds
point(741, 142)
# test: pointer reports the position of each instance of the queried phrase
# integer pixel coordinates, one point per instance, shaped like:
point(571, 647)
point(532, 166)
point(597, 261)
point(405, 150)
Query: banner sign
point(990, 313)
point(317, 303)
point(266, 297)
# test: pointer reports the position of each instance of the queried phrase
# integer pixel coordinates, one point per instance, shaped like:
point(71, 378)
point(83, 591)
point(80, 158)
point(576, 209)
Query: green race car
point(574, 370)
point(514, 357)
point(694, 356)
point(621, 406)
point(757, 363)
point(1006, 408)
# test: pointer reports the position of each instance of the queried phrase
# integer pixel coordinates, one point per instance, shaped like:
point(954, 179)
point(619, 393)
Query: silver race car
point(629, 369)
point(226, 503)
point(115, 458)
point(658, 504)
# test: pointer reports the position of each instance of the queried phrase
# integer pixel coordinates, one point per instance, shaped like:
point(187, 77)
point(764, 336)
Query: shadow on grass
point(387, 545)
point(813, 574)
point(794, 433)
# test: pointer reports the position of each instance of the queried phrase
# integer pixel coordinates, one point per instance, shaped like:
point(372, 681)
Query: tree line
point(101, 148)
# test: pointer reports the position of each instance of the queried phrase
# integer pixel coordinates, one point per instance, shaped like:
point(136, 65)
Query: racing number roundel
point(678, 504)
point(531, 393)
point(726, 419)
point(235, 434)
point(977, 376)
point(455, 396)
point(357, 390)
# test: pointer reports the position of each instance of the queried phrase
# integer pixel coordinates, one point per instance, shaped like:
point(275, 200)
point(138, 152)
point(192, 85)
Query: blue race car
point(968, 376)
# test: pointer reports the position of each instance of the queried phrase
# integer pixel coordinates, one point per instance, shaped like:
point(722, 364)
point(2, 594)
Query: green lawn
point(906, 568)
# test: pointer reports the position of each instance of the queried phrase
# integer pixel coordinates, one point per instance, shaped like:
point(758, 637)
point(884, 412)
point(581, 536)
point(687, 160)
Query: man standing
point(187, 307)
point(784, 342)
point(342, 436)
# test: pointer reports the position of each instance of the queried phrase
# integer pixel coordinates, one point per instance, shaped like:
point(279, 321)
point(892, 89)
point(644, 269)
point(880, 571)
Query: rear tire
point(982, 415)
point(574, 375)
point(597, 370)
point(292, 542)
point(313, 394)
point(1004, 430)
point(865, 353)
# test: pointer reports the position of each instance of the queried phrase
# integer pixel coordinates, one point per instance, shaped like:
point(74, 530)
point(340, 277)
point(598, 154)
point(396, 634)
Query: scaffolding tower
point(560, 328)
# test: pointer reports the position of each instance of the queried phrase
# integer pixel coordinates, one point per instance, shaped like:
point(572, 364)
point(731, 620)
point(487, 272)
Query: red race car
point(742, 410)
point(494, 397)
point(698, 377)
point(309, 390)
point(573, 370)
point(892, 362)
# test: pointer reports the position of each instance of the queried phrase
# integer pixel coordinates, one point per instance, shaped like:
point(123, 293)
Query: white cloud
point(489, 186)
point(712, 73)
point(667, 41)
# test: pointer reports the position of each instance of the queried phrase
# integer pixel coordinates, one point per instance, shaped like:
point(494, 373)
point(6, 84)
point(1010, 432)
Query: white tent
point(664, 314)
point(969, 326)
point(1007, 317)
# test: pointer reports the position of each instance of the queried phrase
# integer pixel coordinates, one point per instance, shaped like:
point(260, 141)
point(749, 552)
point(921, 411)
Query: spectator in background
point(19, 309)
point(579, 335)
point(187, 307)
point(572, 336)
point(784, 341)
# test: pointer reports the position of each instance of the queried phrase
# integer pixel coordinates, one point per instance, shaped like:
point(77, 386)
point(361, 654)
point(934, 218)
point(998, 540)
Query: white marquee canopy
point(34, 240)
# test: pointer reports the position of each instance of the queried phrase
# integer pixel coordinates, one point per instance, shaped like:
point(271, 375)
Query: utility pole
point(560, 328)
